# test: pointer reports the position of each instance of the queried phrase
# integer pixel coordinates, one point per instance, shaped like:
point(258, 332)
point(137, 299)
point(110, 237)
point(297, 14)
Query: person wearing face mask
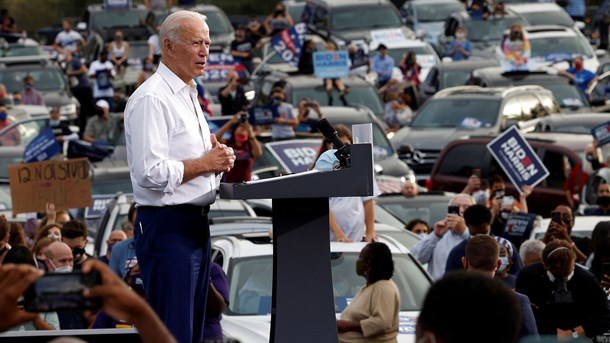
point(502, 274)
point(410, 69)
point(103, 126)
point(242, 48)
point(79, 86)
point(603, 201)
point(101, 72)
point(483, 256)
point(278, 21)
point(148, 68)
point(115, 237)
point(74, 234)
point(567, 300)
point(306, 60)
point(459, 49)
point(40, 249)
point(232, 96)
point(29, 94)
point(119, 52)
point(255, 30)
point(61, 130)
point(17, 98)
point(418, 227)
point(578, 74)
point(372, 315)
point(307, 124)
point(60, 260)
point(12, 137)
point(478, 219)
point(283, 126)
point(516, 49)
point(244, 144)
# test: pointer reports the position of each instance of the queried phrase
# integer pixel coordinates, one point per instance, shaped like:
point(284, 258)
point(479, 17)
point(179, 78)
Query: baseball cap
point(103, 104)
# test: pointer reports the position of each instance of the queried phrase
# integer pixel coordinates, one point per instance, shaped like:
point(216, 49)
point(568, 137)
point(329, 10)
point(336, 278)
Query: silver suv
point(465, 111)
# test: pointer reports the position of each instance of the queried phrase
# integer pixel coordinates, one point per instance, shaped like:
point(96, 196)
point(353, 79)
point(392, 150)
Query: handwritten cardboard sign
point(63, 183)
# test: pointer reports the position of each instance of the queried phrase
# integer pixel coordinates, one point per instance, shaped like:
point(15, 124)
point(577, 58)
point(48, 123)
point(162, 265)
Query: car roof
point(343, 3)
point(571, 141)
point(308, 81)
point(102, 7)
point(469, 64)
point(498, 74)
point(418, 2)
point(577, 118)
point(533, 7)
point(546, 31)
point(477, 91)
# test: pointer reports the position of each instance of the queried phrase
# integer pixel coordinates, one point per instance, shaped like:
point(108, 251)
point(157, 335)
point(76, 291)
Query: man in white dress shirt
point(175, 166)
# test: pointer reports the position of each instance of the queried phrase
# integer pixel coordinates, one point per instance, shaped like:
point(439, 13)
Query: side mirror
point(580, 25)
point(600, 53)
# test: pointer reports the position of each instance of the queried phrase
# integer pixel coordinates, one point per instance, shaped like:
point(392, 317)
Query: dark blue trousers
point(173, 249)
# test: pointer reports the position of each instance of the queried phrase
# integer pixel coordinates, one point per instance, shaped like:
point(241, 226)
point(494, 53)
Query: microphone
point(343, 151)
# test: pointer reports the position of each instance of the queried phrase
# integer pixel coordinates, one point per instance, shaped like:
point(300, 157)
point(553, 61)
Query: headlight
point(68, 110)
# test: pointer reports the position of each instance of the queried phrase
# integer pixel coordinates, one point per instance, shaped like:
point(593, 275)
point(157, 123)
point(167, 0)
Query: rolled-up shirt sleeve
point(151, 166)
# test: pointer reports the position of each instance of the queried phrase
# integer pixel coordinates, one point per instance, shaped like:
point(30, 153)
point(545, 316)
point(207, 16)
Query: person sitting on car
point(102, 126)
point(603, 201)
point(61, 130)
point(578, 74)
point(409, 189)
point(283, 126)
point(459, 48)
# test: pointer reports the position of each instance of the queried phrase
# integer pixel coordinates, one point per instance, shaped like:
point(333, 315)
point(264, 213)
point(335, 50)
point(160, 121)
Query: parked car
point(548, 13)
point(425, 55)
point(248, 256)
point(48, 77)
point(449, 74)
point(583, 226)
point(468, 110)
point(427, 17)
point(24, 131)
point(342, 21)
point(558, 152)
point(298, 87)
point(221, 30)
point(428, 206)
point(566, 123)
point(23, 47)
point(567, 93)
point(105, 20)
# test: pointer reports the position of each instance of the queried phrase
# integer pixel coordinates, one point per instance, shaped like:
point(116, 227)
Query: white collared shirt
point(164, 125)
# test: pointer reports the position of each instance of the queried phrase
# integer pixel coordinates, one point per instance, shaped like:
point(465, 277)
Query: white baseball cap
point(103, 104)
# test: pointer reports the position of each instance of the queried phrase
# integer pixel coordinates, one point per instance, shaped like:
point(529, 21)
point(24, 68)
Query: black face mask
point(278, 12)
point(78, 253)
point(603, 201)
point(515, 35)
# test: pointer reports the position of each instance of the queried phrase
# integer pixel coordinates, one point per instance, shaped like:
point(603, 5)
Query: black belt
point(203, 210)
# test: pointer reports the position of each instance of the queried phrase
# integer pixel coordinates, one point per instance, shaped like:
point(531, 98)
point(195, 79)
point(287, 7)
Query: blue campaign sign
point(601, 133)
point(41, 148)
point(295, 155)
point(289, 42)
point(98, 206)
point(330, 64)
point(263, 115)
point(218, 65)
point(517, 158)
point(519, 226)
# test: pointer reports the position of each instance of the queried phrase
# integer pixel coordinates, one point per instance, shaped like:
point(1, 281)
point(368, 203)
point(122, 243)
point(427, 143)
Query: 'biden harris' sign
point(517, 159)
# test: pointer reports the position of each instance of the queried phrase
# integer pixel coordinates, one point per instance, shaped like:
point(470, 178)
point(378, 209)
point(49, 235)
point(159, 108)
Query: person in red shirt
point(244, 144)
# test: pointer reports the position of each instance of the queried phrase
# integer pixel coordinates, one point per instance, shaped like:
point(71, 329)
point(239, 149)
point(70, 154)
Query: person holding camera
point(560, 227)
point(434, 249)
point(232, 96)
point(245, 146)
point(568, 302)
point(306, 123)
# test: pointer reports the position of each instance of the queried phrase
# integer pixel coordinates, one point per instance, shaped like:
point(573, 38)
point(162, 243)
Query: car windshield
point(250, 281)
point(567, 95)
point(407, 210)
point(45, 80)
point(548, 18)
point(6, 202)
point(558, 48)
point(436, 12)
point(22, 133)
point(116, 19)
point(138, 50)
point(488, 30)
point(360, 94)
point(15, 50)
point(452, 78)
point(377, 17)
point(420, 51)
point(461, 113)
point(217, 23)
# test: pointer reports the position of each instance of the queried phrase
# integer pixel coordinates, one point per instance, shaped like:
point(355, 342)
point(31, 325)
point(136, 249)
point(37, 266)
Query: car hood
point(255, 329)
point(56, 98)
point(352, 35)
point(485, 49)
point(433, 138)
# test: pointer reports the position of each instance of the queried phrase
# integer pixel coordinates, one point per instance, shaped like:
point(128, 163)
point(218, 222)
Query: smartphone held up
point(62, 292)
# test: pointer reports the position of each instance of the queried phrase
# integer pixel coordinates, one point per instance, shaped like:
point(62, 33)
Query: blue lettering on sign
point(601, 133)
point(331, 64)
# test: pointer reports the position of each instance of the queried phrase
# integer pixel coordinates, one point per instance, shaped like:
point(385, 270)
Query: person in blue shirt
point(579, 74)
point(577, 9)
point(459, 48)
point(382, 64)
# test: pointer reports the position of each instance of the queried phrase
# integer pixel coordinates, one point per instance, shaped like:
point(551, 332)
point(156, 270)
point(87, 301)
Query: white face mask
point(504, 264)
point(422, 235)
point(62, 269)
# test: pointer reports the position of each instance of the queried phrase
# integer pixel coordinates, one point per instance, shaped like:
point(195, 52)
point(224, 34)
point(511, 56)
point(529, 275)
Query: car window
point(491, 29)
point(430, 212)
point(250, 281)
point(398, 53)
point(567, 94)
point(361, 95)
point(461, 159)
point(217, 23)
point(23, 133)
point(558, 165)
point(377, 17)
point(548, 18)
point(455, 78)
point(47, 79)
point(432, 78)
point(109, 19)
point(550, 48)
point(436, 12)
point(457, 113)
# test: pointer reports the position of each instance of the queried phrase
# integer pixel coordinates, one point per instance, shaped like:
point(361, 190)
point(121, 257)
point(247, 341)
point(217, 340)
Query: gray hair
point(462, 195)
point(530, 247)
point(171, 26)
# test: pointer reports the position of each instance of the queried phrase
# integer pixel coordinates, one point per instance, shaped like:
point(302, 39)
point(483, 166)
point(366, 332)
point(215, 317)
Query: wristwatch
point(575, 334)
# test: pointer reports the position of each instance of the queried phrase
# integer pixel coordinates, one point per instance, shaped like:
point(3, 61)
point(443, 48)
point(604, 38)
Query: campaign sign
point(517, 159)
point(117, 4)
point(295, 155)
point(218, 65)
point(289, 42)
point(97, 209)
point(519, 226)
point(330, 64)
point(263, 115)
point(388, 37)
point(601, 133)
point(42, 148)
